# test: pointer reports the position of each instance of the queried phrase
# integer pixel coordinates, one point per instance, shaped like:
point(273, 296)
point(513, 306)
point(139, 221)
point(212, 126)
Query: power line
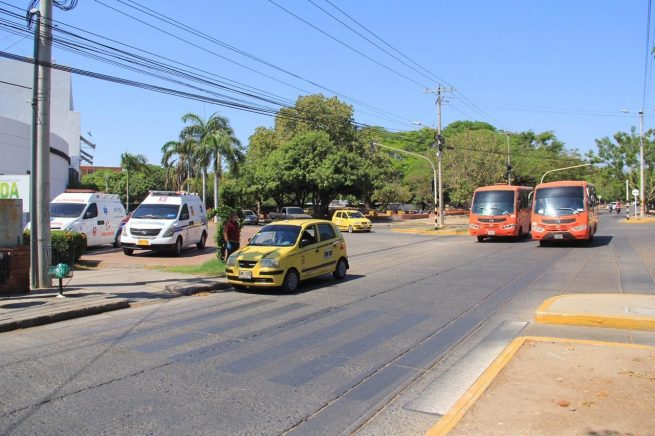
point(189, 29)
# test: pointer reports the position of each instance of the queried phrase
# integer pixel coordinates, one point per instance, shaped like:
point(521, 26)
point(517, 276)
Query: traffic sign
point(635, 192)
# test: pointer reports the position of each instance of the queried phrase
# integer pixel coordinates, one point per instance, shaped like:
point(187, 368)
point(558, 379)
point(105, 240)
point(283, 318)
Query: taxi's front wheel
point(340, 271)
point(291, 281)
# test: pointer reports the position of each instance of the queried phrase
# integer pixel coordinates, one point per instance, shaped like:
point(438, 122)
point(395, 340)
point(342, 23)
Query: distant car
point(283, 253)
point(250, 217)
point(288, 213)
point(351, 220)
point(611, 206)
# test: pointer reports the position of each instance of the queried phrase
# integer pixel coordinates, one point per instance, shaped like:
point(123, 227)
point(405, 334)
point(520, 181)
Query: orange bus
point(500, 210)
point(564, 210)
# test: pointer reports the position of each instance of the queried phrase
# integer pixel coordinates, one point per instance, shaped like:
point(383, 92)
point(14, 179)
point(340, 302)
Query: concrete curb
point(546, 315)
point(50, 315)
point(471, 396)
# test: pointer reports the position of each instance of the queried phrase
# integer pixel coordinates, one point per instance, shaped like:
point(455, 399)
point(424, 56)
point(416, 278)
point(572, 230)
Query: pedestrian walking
point(231, 235)
point(618, 207)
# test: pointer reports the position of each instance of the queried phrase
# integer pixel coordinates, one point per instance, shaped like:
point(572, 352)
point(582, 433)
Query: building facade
point(16, 125)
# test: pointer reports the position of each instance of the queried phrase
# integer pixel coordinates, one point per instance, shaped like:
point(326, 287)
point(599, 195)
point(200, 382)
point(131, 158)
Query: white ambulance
point(166, 221)
point(95, 214)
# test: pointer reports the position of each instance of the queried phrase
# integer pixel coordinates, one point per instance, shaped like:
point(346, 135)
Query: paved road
point(382, 352)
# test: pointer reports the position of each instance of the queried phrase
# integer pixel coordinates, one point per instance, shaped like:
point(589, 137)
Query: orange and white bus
point(564, 210)
point(500, 210)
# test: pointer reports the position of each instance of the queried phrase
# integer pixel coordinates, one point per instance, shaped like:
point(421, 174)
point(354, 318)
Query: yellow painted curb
point(636, 322)
point(635, 220)
point(468, 399)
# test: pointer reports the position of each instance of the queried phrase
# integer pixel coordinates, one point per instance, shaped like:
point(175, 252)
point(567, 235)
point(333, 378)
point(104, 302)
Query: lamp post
point(439, 142)
point(434, 170)
point(641, 160)
point(562, 169)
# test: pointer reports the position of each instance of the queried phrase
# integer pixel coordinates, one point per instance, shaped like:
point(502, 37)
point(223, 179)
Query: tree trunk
point(204, 186)
point(217, 166)
point(127, 193)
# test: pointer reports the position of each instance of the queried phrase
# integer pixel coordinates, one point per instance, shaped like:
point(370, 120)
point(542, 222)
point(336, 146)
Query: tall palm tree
point(215, 140)
point(177, 159)
point(131, 162)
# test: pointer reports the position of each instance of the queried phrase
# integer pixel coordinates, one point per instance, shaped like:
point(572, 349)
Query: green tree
point(131, 162)
point(215, 140)
point(177, 160)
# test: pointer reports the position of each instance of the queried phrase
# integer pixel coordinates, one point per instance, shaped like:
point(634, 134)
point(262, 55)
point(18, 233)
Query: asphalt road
point(382, 352)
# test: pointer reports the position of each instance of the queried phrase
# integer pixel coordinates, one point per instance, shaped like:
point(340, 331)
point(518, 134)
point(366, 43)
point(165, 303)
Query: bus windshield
point(493, 203)
point(565, 200)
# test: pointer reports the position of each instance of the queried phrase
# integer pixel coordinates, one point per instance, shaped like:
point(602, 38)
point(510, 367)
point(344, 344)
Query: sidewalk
point(98, 290)
point(544, 385)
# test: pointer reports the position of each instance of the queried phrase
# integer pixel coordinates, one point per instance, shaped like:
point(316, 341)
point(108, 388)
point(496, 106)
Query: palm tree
point(215, 140)
point(177, 159)
point(131, 162)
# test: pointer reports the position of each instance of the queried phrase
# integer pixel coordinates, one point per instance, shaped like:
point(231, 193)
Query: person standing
point(231, 235)
point(618, 207)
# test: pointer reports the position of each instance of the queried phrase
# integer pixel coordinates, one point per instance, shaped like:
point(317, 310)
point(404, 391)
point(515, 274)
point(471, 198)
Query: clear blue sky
point(560, 65)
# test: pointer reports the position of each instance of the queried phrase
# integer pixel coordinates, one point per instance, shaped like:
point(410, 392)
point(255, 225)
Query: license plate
point(491, 232)
point(557, 236)
point(245, 275)
point(142, 242)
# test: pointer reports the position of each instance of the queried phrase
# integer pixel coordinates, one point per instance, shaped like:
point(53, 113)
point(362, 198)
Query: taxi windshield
point(355, 215)
point(157, 211)
point(276, 235)
point(493, 203)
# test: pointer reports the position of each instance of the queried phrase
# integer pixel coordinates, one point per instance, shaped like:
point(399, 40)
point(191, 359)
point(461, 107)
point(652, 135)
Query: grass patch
point(211, 268)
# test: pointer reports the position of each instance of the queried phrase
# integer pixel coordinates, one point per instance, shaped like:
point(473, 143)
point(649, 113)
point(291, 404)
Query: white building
point(16, 125)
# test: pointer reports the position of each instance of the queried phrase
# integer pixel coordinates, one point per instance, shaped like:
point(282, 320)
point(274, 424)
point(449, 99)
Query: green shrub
point(67, 247)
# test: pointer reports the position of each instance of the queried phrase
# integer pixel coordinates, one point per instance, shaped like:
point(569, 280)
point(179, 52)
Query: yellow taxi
point(351, 220)
point(283, 253)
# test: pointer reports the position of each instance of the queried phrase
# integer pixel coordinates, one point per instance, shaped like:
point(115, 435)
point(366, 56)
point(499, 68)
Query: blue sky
point(560, 65)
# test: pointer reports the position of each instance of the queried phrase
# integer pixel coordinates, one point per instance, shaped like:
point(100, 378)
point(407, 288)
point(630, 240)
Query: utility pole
point(440, 143)
point(43, 243)
point(641, 164)
point(34, 250)
point(509, 164)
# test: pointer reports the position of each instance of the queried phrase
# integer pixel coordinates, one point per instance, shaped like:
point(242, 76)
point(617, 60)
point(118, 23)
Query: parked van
point(96, 214)
point(166, 221)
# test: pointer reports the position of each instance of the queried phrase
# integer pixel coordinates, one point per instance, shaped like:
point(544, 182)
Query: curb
point(48, 317)
point(473, 393)
point(634, 322)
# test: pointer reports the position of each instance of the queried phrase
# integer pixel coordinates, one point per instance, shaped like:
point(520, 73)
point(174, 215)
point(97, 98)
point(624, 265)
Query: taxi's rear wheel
point(291, 281)
point(341, 269)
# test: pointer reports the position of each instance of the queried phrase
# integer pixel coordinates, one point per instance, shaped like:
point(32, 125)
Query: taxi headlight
point(579, 228)
point(232, 260)
point(270, 263)
point(169, 232)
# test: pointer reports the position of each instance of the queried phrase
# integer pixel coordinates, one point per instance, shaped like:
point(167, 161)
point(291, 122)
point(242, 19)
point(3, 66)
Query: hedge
point(67, 247)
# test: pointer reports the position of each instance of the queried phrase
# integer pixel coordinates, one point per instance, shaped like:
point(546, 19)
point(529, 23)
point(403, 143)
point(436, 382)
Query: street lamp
point(439, 140)
point(641, 160)
point(434, 171)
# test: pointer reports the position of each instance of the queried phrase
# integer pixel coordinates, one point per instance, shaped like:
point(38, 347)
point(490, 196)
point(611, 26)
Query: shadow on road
point(598, 241)
point(308, 285)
